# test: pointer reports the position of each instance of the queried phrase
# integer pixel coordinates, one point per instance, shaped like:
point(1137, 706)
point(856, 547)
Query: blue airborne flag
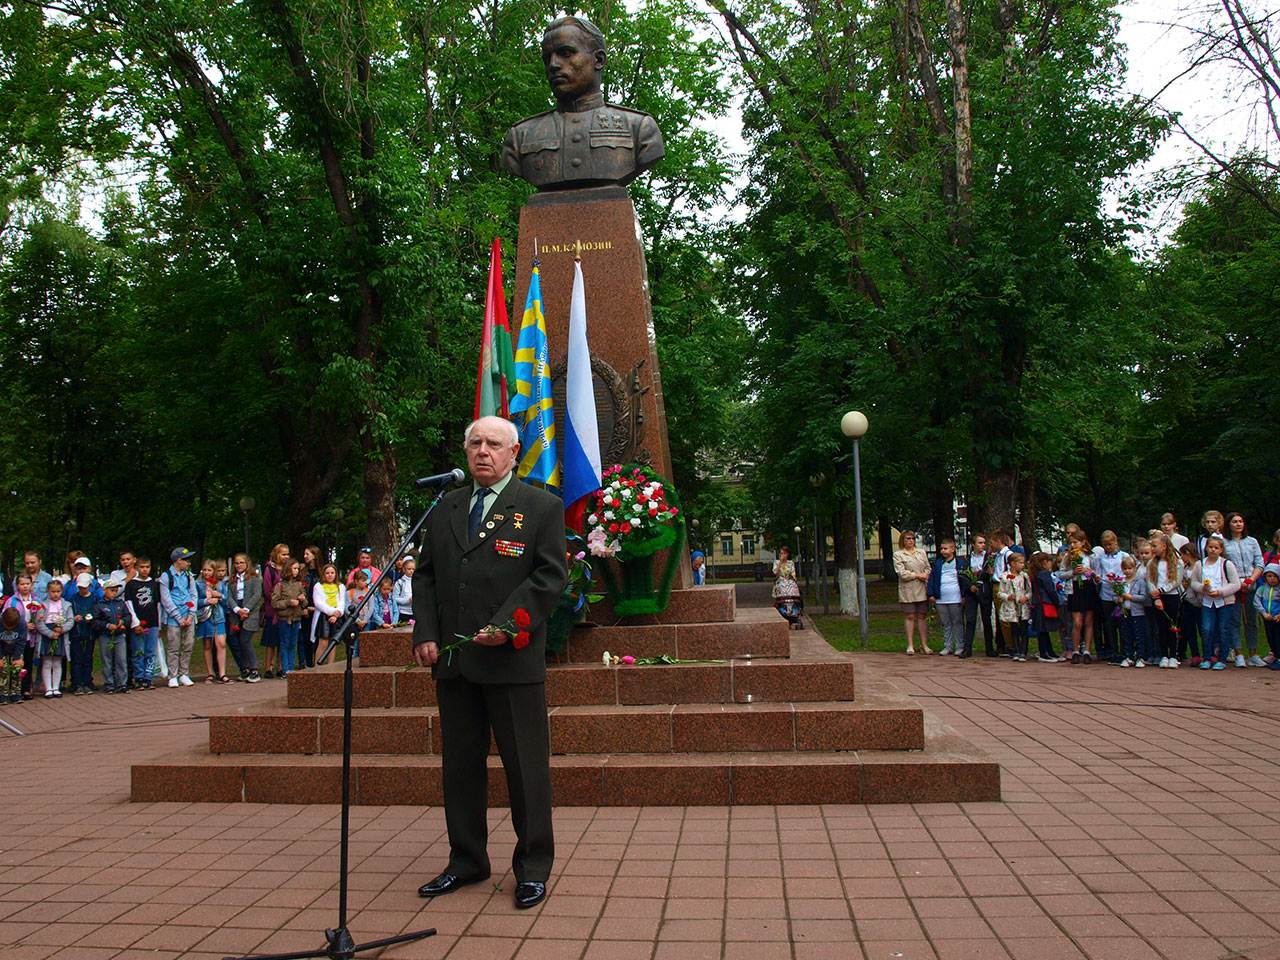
point(532, 408)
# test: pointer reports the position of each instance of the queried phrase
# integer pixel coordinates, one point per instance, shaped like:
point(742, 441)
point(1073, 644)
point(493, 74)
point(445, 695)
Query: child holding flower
point(53, 624)
point(27, 606)
point(1164, 573)
point(1013, 592)
point(1217, 581)
point(1133, 596)
point(1082, 593)
point(142, 598)
point(82, 603)
point(1189, 607)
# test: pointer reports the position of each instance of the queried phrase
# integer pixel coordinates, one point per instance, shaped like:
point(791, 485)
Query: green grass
point(885, 633)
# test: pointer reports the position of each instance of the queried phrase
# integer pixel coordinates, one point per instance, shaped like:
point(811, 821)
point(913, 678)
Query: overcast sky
point(1157, 54)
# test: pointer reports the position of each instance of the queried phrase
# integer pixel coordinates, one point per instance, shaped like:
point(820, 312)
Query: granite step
point(948, 770)
point(883, 722)
point(808, 677)
point(749, 634)
point(703, 604)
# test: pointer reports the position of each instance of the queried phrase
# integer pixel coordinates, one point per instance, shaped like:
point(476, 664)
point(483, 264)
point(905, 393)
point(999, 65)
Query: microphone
point(440, 479)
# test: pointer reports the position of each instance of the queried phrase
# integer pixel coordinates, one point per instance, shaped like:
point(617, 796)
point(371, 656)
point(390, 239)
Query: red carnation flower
point(521, 618)
point(626, 527)
point(613, 528)
point(190, 605)
point(520, 640)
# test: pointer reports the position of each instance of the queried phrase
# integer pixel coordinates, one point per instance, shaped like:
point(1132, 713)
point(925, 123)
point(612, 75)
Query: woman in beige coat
point(911, 564)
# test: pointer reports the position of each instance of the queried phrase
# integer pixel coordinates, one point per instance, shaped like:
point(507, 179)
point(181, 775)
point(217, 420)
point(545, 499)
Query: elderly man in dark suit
point(492, 568)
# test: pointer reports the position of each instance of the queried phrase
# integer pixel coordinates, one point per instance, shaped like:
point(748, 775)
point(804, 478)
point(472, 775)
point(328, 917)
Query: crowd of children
point(144, 628)
point(1173, 601)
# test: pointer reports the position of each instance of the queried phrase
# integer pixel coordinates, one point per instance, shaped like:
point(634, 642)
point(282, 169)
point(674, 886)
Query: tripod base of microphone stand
point(340, 946)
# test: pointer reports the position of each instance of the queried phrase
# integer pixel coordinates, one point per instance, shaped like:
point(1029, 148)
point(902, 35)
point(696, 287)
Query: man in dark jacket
point(491, 571)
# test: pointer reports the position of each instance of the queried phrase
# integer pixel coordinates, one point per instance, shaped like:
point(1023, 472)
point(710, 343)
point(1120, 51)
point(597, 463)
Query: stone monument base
point(780, 718)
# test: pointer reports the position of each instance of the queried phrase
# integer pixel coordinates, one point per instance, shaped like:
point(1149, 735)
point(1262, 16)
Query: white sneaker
point(173, 681)
point(1164, 663)
point(1126, 662)
point(1047, 659)
point(1141, 663)
point(48, 694)
point(944, 652)
point(1257, 661)
point(1240, 660)
point(185, 681)
point(1173, 664)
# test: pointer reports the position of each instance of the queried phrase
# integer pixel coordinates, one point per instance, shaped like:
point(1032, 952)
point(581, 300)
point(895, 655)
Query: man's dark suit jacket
point(461, 587)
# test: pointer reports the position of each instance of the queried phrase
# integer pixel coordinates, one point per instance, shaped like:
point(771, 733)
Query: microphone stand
point(339, 944)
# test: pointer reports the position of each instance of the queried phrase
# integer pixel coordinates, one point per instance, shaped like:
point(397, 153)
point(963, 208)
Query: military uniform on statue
point(493, 554)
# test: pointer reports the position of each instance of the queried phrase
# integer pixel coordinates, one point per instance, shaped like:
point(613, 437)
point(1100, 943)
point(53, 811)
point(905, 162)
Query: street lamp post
point(854, 426)
point(246, 504)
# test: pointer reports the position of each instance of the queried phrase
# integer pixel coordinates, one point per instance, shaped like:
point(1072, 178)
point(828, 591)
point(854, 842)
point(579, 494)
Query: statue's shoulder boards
point(537, 118)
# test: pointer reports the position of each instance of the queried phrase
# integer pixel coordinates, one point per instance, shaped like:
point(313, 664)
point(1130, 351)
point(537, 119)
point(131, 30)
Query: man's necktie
point(477, 513)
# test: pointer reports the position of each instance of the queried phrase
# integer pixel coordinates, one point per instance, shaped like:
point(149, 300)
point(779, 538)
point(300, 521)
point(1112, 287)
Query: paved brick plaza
point(1138, 822)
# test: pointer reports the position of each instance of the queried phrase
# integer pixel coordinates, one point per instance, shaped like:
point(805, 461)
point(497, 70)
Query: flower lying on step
point(662, 660)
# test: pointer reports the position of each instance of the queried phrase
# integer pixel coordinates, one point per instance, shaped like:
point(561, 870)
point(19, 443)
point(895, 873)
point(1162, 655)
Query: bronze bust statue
point(583, 142)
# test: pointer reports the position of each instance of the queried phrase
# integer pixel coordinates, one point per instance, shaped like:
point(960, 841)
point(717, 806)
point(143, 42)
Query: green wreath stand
point(560, 625)
point(632, 590)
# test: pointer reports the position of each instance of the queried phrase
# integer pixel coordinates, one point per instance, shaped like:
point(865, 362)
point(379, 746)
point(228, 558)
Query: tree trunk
point(942, 509)
point(1027, 512)
point(957, 34)
point(847, 559)
point(999, 492)
point(886, 549)
point(382, 530)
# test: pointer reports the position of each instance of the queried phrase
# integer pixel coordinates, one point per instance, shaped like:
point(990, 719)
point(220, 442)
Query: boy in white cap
point(179, 604)
point(82, 604)
point(85, 565)
point(111, 627)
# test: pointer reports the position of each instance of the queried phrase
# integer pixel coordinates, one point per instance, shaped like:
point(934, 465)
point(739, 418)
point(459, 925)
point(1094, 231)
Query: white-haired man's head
point(491, 445)
point(504, 424)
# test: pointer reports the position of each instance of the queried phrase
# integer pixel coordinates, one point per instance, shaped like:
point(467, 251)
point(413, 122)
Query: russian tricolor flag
point(580, 471)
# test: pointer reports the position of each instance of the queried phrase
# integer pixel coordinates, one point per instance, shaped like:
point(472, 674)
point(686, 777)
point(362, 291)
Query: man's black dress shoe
point(529, 894)
point(445, 883)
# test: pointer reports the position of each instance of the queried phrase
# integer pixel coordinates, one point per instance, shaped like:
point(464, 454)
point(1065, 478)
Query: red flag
point(496, 375)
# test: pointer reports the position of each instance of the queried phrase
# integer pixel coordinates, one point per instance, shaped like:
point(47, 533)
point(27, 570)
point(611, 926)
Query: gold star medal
point(519, 520)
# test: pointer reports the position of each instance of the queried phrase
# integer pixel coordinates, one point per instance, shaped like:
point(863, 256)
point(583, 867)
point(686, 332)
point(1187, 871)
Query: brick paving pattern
point(1138, 822)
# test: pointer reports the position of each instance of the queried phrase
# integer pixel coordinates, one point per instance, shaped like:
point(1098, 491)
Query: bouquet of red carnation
point(517, 627)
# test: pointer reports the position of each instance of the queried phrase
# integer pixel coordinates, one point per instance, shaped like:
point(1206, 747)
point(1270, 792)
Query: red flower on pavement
point(522, 618)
